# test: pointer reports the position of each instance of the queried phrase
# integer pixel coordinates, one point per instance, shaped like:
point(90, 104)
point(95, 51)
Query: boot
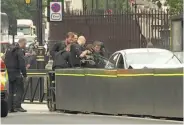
point(20, 109)
point(12, 110)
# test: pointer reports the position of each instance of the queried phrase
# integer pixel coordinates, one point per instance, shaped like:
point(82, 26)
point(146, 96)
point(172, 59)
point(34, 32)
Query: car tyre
point(4, 108)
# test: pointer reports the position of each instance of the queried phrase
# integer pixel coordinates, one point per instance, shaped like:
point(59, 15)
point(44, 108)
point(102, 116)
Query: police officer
point(99, 48)
point(90, 58)
point(75, 38)
point(98, 54)
point(78, 51)
point(62, 59)
point(15, 63)
point(62, 45)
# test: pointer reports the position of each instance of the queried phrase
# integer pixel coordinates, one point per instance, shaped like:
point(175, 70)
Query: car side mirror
point(130, 67)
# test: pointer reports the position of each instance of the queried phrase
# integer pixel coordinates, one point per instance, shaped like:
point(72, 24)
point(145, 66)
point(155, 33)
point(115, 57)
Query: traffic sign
point(56, 11)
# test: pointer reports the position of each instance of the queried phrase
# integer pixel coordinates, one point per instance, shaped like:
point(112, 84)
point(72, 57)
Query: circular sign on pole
point(56, 7)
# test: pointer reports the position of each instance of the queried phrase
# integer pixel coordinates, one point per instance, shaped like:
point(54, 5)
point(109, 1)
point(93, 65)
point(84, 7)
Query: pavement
point(39, 114)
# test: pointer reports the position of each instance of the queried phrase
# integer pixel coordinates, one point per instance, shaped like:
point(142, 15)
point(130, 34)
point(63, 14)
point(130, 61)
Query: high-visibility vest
point(3, 80)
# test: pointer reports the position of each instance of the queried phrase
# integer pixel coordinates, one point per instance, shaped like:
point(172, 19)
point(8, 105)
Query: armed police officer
point(78, 51)
point(98, 55)
point(16, 68)
point(75, 38)
point(62, 59)
point(62, 45)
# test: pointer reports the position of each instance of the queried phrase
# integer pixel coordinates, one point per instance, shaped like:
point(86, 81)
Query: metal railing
point(36, 86)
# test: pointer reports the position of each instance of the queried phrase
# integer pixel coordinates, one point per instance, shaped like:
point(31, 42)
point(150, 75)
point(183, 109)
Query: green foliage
point(111, 4)
point(18, 8)
point(176, 6)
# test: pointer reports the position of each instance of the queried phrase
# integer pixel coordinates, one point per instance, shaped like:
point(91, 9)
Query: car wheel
point(4, 108)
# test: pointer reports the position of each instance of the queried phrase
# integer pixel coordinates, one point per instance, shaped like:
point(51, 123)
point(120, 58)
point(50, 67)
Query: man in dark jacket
point(62, 59)
point(78, 51)
point(61, 45)
point(98, 54)
point(16, 67)
point(99, 48)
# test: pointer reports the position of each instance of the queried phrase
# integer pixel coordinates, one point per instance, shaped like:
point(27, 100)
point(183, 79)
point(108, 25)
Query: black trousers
point(16, 91)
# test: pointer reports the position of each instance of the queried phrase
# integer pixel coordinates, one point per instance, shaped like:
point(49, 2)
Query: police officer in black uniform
point(62, 59)
point(15, 63)
point(78, 51)
point(58, 46)
point(98, 55)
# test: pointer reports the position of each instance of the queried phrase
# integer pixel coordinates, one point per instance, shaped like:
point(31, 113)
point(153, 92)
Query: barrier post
point(51, 100)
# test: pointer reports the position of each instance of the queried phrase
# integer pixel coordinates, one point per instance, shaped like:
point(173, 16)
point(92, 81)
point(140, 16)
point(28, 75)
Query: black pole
point(40, 51)
point(63, 9)
point(13, 38)
point(39, 22)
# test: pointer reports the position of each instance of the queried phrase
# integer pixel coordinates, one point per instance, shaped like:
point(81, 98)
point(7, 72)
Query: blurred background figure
point(30, 55)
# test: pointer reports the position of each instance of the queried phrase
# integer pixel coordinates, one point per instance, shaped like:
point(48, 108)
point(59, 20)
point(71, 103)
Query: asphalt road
point(39, 114)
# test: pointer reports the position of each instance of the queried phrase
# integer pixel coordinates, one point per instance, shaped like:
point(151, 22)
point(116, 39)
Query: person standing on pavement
point(78, 52)
point(62, 45)
point(16, 68)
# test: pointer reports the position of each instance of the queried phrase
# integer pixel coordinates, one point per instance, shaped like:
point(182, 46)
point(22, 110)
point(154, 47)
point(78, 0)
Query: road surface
point(39, 114)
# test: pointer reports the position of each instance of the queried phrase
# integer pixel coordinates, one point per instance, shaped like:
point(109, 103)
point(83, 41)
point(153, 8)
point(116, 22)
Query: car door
point(112, 62)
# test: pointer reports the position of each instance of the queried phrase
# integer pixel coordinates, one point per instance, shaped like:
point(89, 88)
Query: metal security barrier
point(143, 92)
point(51, 92)
point(36, 86)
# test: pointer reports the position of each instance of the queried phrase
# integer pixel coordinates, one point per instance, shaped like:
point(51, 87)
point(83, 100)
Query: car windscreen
point(24, 30)
point(151, 58)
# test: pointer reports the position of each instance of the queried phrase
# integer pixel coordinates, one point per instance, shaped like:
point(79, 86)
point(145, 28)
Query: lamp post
point(41, 50)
